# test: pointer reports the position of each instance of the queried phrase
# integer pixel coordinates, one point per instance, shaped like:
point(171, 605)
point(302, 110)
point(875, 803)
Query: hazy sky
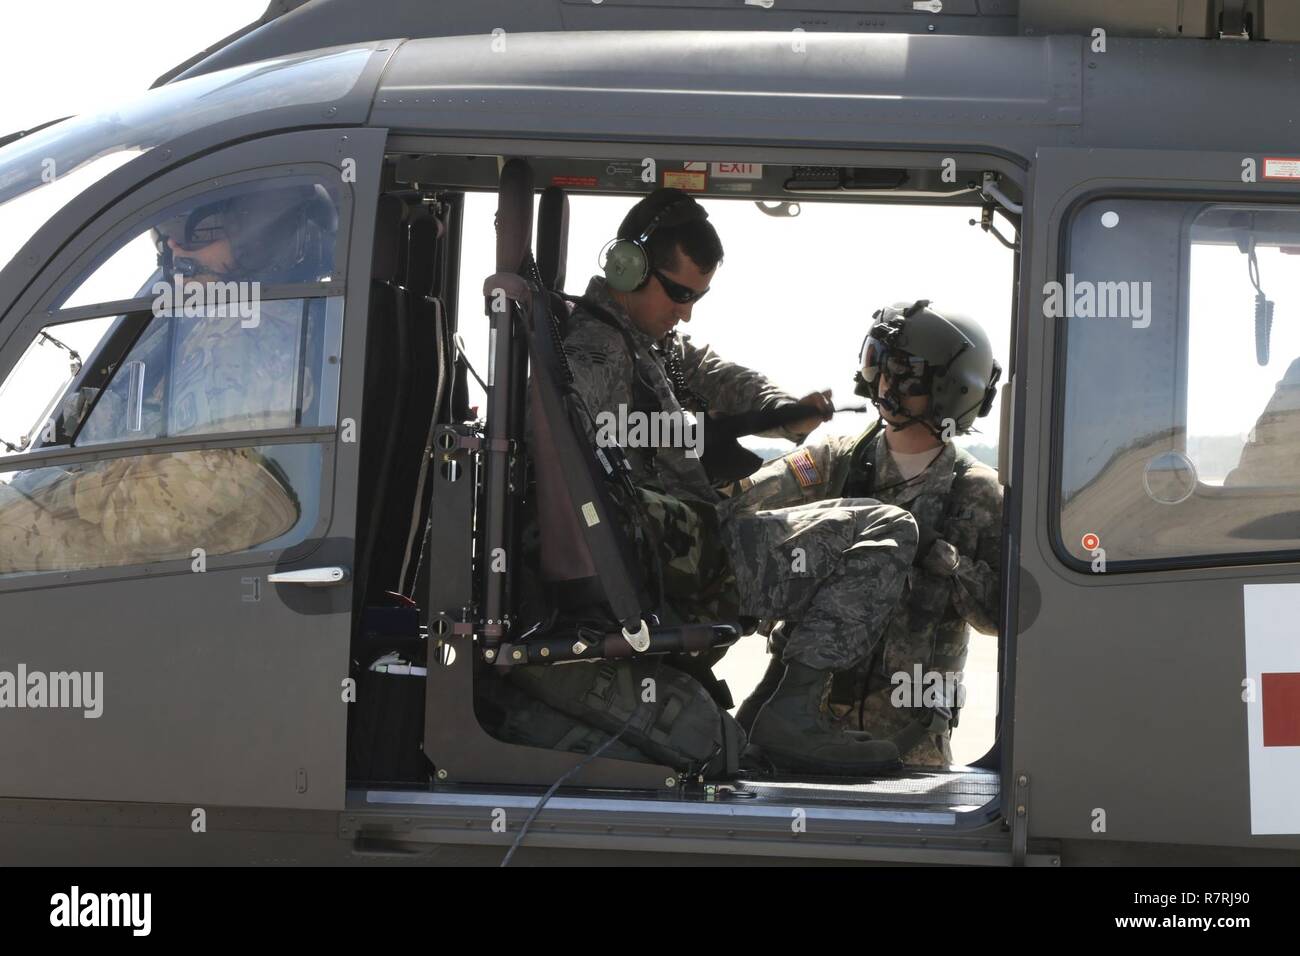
point(75, 56)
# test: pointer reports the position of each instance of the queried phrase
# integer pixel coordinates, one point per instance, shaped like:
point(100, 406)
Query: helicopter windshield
point(44, 171)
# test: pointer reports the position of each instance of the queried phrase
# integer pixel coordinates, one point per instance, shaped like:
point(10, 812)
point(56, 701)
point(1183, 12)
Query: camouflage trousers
point(877, 714)
point(833, 570)
point(880, 696)
point(697, 580)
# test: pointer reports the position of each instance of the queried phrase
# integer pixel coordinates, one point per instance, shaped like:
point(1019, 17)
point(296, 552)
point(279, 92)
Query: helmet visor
point(906, 372)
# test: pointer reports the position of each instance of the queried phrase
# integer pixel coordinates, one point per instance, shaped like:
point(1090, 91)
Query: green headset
point(627, 261)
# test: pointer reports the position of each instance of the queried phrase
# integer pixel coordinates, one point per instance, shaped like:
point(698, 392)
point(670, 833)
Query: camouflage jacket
point(957, 582)
point(604, 376)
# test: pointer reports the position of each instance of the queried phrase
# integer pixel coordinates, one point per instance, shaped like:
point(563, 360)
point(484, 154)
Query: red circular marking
point(1091, 542)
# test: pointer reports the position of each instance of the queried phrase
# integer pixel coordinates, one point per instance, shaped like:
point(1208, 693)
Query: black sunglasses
point(676, 291)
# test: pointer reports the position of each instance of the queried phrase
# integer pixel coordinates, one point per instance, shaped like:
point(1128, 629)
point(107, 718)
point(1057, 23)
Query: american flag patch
point(804, 468)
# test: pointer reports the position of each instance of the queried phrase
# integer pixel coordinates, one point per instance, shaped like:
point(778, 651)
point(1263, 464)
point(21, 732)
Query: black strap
point(677, 378)
point(580, 469)
point(643, 396)
point(861, 480)
point(724, 458)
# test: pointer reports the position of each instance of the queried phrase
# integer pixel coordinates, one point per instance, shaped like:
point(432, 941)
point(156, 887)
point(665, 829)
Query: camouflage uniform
point(807, 564)
point(130, 510)
point(928, 627)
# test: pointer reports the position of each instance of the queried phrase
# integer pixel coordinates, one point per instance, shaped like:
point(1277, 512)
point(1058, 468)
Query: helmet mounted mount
point(920, 351)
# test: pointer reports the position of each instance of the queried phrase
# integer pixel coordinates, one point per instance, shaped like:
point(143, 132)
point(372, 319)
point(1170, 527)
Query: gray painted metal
point(729, 825)
point(321, 23)
point(1150, 18)
point(74, 833)
point(729, 809)
point(1125, 687)
point(844, 89)
point(210, 699)
point(55, 832)
point(1005, 95)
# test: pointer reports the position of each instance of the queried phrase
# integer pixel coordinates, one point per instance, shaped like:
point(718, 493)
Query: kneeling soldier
point(930, 374)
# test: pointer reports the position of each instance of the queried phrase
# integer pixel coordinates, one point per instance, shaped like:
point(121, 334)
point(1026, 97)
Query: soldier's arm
point(602, 372)
point(731, 389)
point(784, 482)
point(975, 576)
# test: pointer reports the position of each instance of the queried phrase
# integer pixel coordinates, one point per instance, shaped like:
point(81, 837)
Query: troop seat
point(587, 566)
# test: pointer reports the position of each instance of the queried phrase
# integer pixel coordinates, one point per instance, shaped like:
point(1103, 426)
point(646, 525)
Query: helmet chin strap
point(892, 403)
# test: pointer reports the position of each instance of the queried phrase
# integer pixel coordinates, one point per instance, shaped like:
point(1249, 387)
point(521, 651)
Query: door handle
point(317, 577)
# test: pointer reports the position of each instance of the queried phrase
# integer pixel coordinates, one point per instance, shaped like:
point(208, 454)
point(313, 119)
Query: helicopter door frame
point(1127, 683)
point(221, 688)
point(410, 144)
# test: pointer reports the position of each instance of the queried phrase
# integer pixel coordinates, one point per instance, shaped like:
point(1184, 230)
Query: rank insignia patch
point(804, 468)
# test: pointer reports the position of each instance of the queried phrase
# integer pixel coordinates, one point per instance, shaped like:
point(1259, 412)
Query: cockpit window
point(44, 159)
point(31, 393)
point(237, 238)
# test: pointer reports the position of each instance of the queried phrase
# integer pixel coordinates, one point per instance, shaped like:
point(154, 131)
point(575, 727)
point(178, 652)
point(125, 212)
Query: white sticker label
point(1277, 168)
point(738, 170)
point(695, 167)
point(1273, 710)
point(589, 513)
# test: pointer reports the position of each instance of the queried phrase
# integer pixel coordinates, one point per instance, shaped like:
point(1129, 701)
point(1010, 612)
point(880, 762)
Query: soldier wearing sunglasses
point(930, 374)
point(832, 570)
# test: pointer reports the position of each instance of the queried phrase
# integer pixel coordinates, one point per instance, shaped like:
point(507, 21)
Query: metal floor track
point(957, 788)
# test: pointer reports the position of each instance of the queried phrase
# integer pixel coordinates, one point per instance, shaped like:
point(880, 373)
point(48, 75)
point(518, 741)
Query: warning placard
point(684, 179)
point(1278, 167)
point(574, 182)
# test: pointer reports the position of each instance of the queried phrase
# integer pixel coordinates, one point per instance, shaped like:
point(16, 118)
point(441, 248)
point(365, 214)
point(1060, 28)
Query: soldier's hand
point(932, 552)
point(822, 409)
point(926, 536)
point(942, 558)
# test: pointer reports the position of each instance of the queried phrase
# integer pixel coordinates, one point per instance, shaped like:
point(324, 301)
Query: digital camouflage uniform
point(928, 626)
point(110, 512)
point(835, 568)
